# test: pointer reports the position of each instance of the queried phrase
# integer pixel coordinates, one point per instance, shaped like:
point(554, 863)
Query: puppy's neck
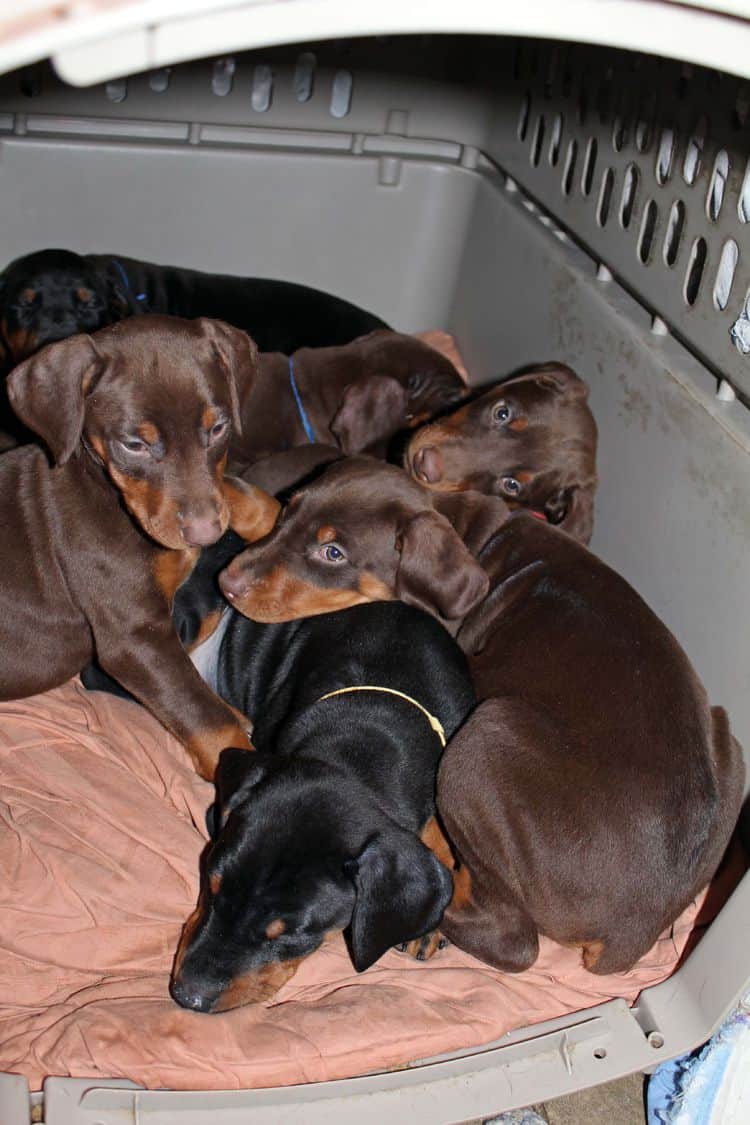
point(474, 516)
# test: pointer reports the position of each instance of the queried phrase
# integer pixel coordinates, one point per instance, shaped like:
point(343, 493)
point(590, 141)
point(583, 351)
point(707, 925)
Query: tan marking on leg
point(433, 837)
point(461, 888)
point(592, 951)
point(204, 747)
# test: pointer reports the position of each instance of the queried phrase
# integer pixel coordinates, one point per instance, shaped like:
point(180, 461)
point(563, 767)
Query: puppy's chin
point(260, 610)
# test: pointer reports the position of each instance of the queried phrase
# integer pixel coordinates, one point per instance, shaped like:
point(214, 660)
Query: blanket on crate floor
point(101, 828)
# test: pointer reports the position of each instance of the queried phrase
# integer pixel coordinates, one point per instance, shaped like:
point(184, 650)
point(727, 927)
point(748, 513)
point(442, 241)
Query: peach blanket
point(101, 827)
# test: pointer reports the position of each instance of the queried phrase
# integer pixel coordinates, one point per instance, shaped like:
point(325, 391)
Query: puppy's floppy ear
point(572, 509)
point(401, 892)
point(561, 378)
point(437, 572)
point(238, 356)
point(373, 408)
point(48, 392)
point(237, 773)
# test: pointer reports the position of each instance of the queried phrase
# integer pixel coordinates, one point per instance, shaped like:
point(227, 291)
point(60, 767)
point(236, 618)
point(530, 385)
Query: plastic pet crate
point(536, 198)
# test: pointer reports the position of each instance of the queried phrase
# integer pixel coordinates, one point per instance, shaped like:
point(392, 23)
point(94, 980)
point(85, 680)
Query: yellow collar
point(436, 725)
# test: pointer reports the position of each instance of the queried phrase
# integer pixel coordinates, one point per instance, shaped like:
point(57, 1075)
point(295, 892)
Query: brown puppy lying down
point(137, 420)
point(354, 397)
point(530, 440)
point(593, 791)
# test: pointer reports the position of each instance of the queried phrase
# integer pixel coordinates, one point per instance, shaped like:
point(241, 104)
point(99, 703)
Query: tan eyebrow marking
point(525, 476)
point(215, 883)
point(208, 418)
point(276, 928)
point(326, 534)
point(519, 424)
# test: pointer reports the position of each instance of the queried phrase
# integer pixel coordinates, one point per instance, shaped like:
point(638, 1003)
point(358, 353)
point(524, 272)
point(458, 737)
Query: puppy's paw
point(425, 947)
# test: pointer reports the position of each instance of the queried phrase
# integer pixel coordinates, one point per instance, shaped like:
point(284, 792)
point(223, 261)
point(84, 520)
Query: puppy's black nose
point(188, 997)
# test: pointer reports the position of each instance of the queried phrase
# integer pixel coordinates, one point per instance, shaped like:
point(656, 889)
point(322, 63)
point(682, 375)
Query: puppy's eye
point(134, 445)
point(331, 553)
point(511, 486)
point(217, 431)
point(415, 382)
point(501, 413)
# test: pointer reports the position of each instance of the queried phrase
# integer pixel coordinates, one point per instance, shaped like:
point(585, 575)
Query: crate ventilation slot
point(662, 146)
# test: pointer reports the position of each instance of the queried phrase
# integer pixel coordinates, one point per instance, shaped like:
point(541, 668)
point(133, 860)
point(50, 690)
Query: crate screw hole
point(656, 1040)
point(600, 1052)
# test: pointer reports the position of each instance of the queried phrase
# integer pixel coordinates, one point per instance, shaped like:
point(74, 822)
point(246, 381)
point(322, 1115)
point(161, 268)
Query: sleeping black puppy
point(52, 294)
point(328, 825)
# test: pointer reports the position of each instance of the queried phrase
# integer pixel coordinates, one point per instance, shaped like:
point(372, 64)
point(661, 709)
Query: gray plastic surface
point(396, 205)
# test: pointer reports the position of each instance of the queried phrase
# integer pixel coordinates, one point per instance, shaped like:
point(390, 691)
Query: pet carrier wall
point(572, 182)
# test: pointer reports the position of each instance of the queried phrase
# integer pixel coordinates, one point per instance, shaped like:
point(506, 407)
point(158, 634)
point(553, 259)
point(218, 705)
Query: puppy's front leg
point(153, 666)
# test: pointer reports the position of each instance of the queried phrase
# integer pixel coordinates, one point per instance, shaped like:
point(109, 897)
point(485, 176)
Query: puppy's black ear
point(48, 392)
point(237, 773)
point(401, 892)
point(373, 409)
point(239, 358)
point(437, 573)
point(572, 509)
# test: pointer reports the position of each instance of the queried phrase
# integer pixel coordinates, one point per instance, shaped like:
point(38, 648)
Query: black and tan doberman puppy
point(319, 830)
point(592, 793)
point(137, 421)
point(52, 294)
point(530, 440)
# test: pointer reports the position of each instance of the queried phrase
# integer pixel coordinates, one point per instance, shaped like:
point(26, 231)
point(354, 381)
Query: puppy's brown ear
point(238, 356)
point(373, 408)
point(572, 509)
point(48, 391)
point(561, 378)
point(437, 573)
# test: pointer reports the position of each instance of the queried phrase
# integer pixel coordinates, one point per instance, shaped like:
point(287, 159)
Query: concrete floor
point(614, 1103)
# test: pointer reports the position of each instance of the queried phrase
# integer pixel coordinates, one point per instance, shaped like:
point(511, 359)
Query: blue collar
point(121, 270)
point(309, 431)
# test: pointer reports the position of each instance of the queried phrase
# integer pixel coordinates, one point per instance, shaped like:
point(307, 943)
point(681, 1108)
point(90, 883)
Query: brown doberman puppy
point(355, 397)
point(530, 440)
point(137, 420)
point(592, 793)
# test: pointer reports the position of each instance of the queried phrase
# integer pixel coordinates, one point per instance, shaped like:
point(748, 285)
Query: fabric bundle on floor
point(101, 829)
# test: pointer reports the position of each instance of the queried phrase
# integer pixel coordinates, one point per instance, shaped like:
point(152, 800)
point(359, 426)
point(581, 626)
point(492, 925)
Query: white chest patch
point(205, 657)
